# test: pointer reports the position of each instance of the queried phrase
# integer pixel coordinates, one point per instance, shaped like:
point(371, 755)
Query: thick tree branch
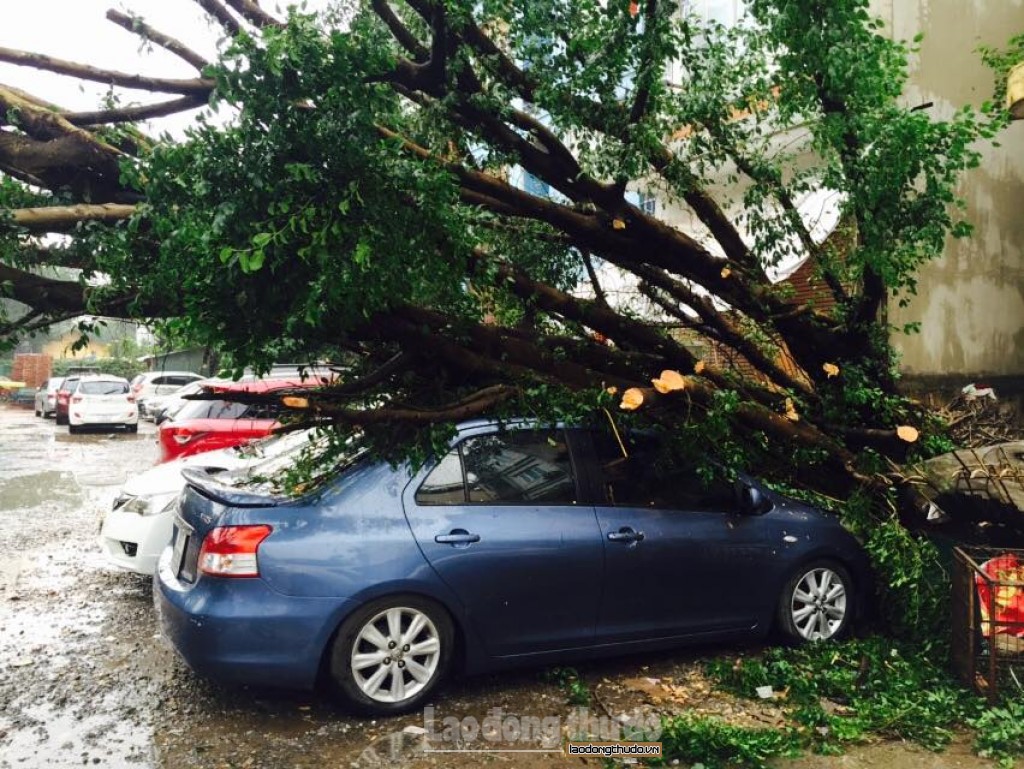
point(520, 356)
point(400, 31)
point(222, 15)
point(109, 77)
point(482, 402)
point(588, 263)
point(716, 319)
point(255, 15)
point(139, 27)
point(134, 113)
point(66, 218)
point(394, 365)
point(44, 295)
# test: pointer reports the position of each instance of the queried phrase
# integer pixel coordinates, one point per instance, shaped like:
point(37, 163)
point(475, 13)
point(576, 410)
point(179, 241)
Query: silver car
point(46, 397)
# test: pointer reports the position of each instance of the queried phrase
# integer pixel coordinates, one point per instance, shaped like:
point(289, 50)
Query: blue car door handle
point(457, 537)
point(627, 535)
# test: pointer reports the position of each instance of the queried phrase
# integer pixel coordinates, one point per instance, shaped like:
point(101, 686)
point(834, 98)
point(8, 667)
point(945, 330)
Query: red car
point(207, 425)
point(64, 397)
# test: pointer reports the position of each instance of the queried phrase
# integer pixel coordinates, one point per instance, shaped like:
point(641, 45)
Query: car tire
point(62, 421)
point(132, 428)
point(818, 603)
point(368, 632)
point(73, 429)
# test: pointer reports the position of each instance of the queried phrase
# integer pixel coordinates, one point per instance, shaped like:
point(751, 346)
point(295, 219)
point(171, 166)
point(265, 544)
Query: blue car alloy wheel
point(391, 654)
point(817, 603)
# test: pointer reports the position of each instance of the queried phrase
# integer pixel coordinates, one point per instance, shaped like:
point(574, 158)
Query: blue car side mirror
point(752, 500)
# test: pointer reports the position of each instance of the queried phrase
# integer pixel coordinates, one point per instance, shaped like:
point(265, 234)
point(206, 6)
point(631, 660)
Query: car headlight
point(158, 503)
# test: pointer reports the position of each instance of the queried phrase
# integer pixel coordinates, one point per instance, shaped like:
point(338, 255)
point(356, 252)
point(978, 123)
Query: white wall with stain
point(970, 302)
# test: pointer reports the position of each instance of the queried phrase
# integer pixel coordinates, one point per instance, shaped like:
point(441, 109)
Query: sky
point(78, 30)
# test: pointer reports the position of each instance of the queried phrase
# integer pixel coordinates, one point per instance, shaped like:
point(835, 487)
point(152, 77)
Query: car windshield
point(215, 409)
point(103, 388)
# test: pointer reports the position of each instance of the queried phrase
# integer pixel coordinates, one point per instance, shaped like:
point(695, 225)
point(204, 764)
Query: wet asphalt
point(86, 678)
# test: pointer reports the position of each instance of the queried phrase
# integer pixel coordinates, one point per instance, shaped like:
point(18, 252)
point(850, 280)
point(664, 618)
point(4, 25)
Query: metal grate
point(988, 619)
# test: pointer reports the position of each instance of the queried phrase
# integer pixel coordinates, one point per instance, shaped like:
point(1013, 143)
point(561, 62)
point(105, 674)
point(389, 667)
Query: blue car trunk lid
point(202, 507)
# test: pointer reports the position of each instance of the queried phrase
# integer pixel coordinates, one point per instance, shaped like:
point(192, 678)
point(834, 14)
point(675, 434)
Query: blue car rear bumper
point(242, 631)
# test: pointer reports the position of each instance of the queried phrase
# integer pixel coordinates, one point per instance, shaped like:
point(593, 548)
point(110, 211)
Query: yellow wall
point(61, 348)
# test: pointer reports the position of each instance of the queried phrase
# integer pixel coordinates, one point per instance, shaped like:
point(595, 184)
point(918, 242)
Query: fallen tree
point(449, 197)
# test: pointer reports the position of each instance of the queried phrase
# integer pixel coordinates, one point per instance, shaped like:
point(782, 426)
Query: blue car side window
point(519, 467)
point(445, 485)
point(644, 478)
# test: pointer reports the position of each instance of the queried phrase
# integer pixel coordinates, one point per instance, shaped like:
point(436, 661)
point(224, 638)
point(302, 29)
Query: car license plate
point(178, 554)
point(182, 533)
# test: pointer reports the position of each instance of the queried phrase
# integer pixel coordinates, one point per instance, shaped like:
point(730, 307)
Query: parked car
point(205, 425)
point(159, 406)
point(67, 386)
point(46, 397)
point(102, 401)
point(519, 546)
point(153, 383)
point(138, 527)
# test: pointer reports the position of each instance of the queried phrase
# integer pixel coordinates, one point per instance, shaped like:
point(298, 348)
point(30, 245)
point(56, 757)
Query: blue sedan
point(520, 546)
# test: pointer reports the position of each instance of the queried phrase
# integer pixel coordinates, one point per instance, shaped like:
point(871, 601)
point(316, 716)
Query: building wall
point(61, 348)
point(971, 301)
point(179, 360)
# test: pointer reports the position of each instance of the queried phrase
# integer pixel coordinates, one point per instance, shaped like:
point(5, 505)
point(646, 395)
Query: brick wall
point(32, 369)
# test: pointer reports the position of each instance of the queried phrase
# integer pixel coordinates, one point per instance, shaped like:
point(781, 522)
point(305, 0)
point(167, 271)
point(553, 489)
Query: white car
point(46, 397)
point(153, 383)
point(139, 526)
point(102, 401)
point(160, 404)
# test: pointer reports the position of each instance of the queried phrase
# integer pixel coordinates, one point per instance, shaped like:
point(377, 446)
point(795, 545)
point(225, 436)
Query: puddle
point(57, 738)
point(24, 493)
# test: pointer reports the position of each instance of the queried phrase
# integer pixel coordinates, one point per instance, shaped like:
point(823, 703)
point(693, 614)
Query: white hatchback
point(102, 401)
point(139, 527)
point(153, 383)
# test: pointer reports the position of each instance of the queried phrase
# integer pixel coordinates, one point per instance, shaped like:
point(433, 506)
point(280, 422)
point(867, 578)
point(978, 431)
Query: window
point(645, 479)
point(211, 410)
point(517, 467)
point(647, 203)
point(445, 484)
point(103, 388)
point(263, 411)
point(728, 13)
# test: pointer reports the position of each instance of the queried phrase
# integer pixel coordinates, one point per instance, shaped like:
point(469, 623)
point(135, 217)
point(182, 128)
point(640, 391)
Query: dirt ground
point(87, 680)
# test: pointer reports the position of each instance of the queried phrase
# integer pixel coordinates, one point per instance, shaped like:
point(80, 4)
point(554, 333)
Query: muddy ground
point(86, 680)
